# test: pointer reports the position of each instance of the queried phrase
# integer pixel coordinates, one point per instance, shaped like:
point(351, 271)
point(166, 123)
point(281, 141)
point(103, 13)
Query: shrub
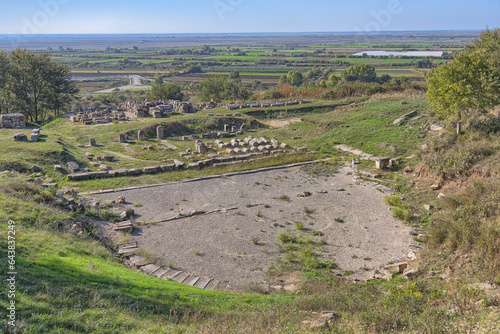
point(308, 211)
point(401, 213)
point(289, 247)
point(394, 200)
point(285, 198)
point(285, 237)
point(299, 225)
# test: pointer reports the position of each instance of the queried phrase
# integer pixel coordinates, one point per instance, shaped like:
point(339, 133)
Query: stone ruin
point(22, 137)
point(12, 121)
point(102, 116)
point(263, 104)
point(156, 109)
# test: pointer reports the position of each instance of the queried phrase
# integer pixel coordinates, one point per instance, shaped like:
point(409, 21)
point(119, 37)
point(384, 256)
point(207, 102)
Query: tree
point(28, 82)
point(332, 80)
point(384, 78)
point(235, 75)
point(360, 72)
point(158, 78)
point(165, 91)
point(283, 79)
point(60, 88)
point(32, 84)
point(295, 78)
point(221, 87)
point(322, 83)
point(470, 83)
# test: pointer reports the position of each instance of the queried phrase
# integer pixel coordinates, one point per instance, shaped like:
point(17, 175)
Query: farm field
point(174, 58)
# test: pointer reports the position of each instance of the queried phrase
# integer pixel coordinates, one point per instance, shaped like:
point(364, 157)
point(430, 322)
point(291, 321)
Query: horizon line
point(236, 33)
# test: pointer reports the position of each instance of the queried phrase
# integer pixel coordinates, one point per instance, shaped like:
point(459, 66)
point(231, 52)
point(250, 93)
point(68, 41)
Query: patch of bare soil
point(280, 123)
point(240, 245)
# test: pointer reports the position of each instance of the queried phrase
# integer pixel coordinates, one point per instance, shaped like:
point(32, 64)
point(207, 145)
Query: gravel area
point(357, 224)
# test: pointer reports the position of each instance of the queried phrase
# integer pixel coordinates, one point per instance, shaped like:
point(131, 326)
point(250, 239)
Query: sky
point(235, 16)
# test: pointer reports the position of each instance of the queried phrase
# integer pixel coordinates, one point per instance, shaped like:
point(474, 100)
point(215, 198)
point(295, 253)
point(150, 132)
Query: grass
point(285, 198)
point(400, 210)
point(308, 211)
point(299, 226)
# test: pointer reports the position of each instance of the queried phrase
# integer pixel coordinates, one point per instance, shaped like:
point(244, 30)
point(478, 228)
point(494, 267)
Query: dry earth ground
point(220, 245)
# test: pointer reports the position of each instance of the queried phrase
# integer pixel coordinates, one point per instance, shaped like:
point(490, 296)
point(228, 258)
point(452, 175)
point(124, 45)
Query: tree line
point(34, 85)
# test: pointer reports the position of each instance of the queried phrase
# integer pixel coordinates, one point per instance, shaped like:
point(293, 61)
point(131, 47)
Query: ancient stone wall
point(12, 121)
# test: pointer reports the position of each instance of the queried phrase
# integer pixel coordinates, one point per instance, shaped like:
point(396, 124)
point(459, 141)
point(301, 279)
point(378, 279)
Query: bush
point(401, 213)
point(299, 225)
point(285, 237)
point(400, 209)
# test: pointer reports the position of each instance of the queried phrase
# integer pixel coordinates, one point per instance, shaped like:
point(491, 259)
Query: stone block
point(178, 164)
point(194, 165)
point(78, 177)
point(302, 149)
point(396, 267)
point(134, 172)
point(140, 135)
point(381, 162)
point(73, 166)
point(20, 137)
point(151, 170)
point(392, 162)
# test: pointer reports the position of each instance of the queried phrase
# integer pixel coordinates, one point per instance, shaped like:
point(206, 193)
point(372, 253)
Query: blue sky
point(204, 16)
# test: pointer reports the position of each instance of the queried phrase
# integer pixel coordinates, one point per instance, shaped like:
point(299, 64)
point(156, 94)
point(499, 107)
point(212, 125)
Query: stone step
point(193, 281)
point(155, 271)
point(162, 272)
point(203, 282)
point(139, 261)
point(188, 279)
point(132, 244)
point(181, 278)
point(211, 285)
point(148, 269)
point(173, 274)
point(123, 226)
point(127, 251)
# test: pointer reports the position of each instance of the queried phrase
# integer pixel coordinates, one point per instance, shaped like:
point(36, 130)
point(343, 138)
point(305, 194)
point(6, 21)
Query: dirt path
point(358, 227)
